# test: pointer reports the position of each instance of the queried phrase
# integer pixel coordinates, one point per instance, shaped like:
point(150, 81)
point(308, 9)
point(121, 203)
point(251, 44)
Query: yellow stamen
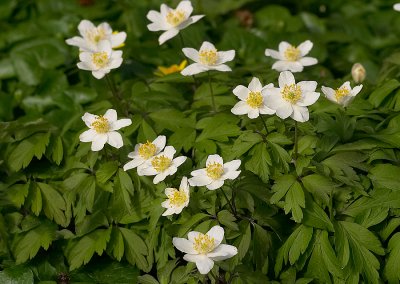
point(162, 71)
point(292, 53)
point(177, 198)
point(208, 56)
point(161, 163)
point(214, 170)
point(101, 124)
point(203, 244)
point(255, 99)
point(175, 17)
point(291, 93)
point(147, 150)
point(95, 35)
point(100, 59)
point(341, 92)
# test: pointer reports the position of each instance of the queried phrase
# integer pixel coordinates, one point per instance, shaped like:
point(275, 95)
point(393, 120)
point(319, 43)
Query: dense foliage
point(71, 215)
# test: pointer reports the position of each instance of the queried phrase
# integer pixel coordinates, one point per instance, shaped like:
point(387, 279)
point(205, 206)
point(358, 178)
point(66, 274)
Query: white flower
point(252, 99)
point(171, 20)
point(103, 129)
point(162, 165)
point(101, 61)
point(204, 249)
point(343, 95)
point(215, 172)
point(396, 7)
point(292, 99)
point(207, 58)
point(177, 199)
point(144, 152)
point(291, 58)
point(92, 35)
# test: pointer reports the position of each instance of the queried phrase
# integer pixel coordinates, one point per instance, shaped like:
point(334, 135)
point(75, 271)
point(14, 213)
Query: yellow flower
point(163, 71)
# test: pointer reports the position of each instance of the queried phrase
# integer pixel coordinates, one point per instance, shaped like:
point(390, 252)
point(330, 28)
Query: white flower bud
point(358, 72)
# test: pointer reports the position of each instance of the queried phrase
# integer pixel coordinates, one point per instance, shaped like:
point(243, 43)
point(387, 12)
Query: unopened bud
point(358, 72)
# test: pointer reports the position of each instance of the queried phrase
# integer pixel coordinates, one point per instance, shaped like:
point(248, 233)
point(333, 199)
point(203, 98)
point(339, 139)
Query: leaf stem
point(265, 125)
point(212, 92)
point(229, 203)
point(295, 141)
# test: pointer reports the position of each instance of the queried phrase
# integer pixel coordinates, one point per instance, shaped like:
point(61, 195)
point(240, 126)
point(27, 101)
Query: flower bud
point(358, 72)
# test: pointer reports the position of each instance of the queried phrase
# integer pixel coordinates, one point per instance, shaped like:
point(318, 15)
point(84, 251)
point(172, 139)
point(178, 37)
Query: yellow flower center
point(147, 150)
point(208, 56)
point(175, 17)
point(291, 93)
point(101, 124)
point(177, 198)
point(96, 35)
point(340, 93)
point(100, 59)
point(203, 244)
point(214, 170)
point(255, 99)
point(292, 53)
point(161, 163)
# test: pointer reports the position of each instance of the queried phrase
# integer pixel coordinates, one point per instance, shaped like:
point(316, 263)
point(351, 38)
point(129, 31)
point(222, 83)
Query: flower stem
point(122, 106)
point(295, 141)
point(229, 203)
point(263, 121)
point(112, 88)
point(212, 92)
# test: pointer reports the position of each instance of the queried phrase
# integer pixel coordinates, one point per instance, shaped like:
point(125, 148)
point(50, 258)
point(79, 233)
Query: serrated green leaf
point(392, 267)
point(259, 162)
point(106, 171)
point(17, 194)
point(227, 219)
point(53, 204)
point(315, 217)
point(116, 244)
point(135, 249)
point(385, 175)
point(147, 279)
point(16, 275)
point(57, 152)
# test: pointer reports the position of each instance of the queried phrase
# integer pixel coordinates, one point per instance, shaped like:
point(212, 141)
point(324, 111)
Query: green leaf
point(80, 252)
point(29, 243)
point(242, 144)
point(315, 217)
point(147, 279)
point(17, 194)
point(135, 249)
point(106, 171)
point(319, 186)
point(120, 203)
point(392, 267)
point(259, 162)
point(16, 275)
point(381, 92)
point(35, 199)
point(385, 175)
point(53, 204)
point(34, 146)
point(57, 151)
point(90, 223)
point(262, 243)
point(227, 219)
point(116, 244)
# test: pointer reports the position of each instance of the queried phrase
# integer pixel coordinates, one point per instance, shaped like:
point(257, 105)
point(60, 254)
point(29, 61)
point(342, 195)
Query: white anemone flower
point(171, 20)
point(101, 61)
point(396, 7)
point(342, 95)
point(91, 36)
point(162, 165)
point(291, 58)
point(103, 129)
point(206, 59)
point(177, 198)
point(204, 249)
point(252, 99)
point(292, 99)
point(144, 152)
point(215, 172)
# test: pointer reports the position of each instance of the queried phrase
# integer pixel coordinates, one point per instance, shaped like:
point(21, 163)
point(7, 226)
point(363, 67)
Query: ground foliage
point(71, 215)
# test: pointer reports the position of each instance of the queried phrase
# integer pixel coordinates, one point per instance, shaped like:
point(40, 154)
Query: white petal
point(308, 99)
point(185, 6)
point(85, 66)
point(179, 161)
point(216, 232)
point(133, 164)
point(192, 235)
point(241, 92)
point(89, 118)
point(115, 139)
point(240, 108)
point(200, 180)
point(199, 172)
point(356, 90)
point(184, 245)
point(253, 113)
point(214, 159)
point(266, 110)
point(169, 151)
point(274, 54)
point(396, 7)
point(147, 171)
point(222, 252)
point(305, 47)
point(255, 85)
point(193, 69)
point(283, 46)
point(292, 66)
point(286, 78)
point(167, 35)
point(215, 184)
point(77, 41)
point(308, 61)
point(88, 135)
point(184, 185)
point(222, 68)
point(192, 257)
point(284, 111)
point(105, 27)
point(300, 113)
point(111, 115)
point(100, 73)
point(169, 211)
point(231, 175)
point(191, 53)
point(85, 56)
point(273, 99)
point(204, 264)
point(105, 46)
point(307, 86)
point(155, 27)
point(196, 18)
point(207, 46)
point(159, 142)
point(85, 26)
point(329, 93)
point(98, 142)
point(232, 165)
point(115, 63)
point(154, 16)
point(225, 56)
point(164, 9)
point(160, 177)
point(120, 123)
point(346, 85)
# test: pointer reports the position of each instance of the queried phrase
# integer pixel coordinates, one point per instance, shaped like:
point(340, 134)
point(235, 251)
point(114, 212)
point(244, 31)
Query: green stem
point(295, 141)
point(117, 96)
point(229, 203)
point(263, 121)
point(212, 92)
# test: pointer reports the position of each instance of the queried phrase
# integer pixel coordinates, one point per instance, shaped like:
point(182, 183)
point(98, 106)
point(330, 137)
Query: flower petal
point(215, 184)
point(307, 86)
point(200, 180)
point(214, 159)
point(154, 16)
point(266, 110)
point(88, 135)
point(308, 61)
point(98, 74)
point(85, 26)
point(225, 56)
point(286, 78)
point(222, 68)
point(255, 85)
point(179, 161)
point(185, 6)
point(274, 54)
point(308, 99)
point(356, 90)
point(199, 172)
point(89, 118)
point(184, 245)
point(167, 35)
point(98, 142)
point(204, 264)
point(121, 123)
point(305, 47)
point(284, 111)
point(232, 165)
point(193, 69)
point(159, 177)
point(216, 232)
point(192, 235)
point(241, 92)
point(300, 113)
point(191, 53)
point(207, 46)
point(292, 66)
point(329, 93)
point(223, 252)
point(253, 113)
point(283, 46)
point(115, 139)
point(133, 164)
point(240, 108)
point(111, 115)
